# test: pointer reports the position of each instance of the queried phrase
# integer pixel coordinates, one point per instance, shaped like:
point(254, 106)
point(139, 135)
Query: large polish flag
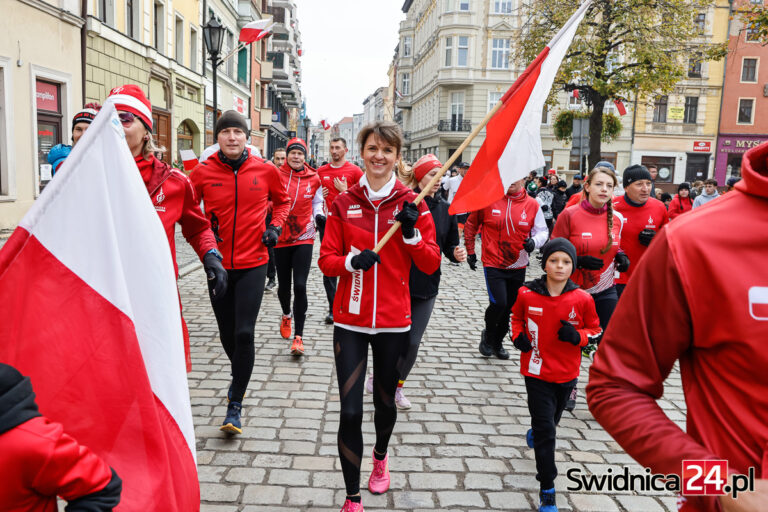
point(254, 30)
point(90, 312)
point(512, 146)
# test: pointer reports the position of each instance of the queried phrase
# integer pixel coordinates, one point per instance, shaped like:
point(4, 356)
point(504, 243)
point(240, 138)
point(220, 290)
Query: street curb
point(189, 268)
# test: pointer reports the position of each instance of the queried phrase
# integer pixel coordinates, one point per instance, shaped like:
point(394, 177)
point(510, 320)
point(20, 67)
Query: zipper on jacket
point(234, 223)
point(375, 265)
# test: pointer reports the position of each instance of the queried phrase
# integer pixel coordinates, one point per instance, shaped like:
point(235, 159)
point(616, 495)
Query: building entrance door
point(697, 167)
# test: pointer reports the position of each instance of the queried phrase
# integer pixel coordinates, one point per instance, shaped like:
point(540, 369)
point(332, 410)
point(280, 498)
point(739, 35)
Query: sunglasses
point(126, 118)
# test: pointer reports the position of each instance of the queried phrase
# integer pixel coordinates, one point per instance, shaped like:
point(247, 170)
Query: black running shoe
point(270, 284)
point(485, 348)
point(570, 404)
point(500, 352)
point(329, 319)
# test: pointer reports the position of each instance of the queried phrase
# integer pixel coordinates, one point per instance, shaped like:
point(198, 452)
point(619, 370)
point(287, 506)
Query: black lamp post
point(213, 35)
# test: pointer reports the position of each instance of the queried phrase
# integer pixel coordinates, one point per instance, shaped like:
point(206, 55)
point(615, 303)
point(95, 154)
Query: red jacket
point(679, 206)
point(379, 299)
point(347, 172)
point(506, 224)
point(305, 201)
point(650, 215)
point(175, 201)
point(700, 297)
point(236, 204)
point(587, 229)
point(539, 314)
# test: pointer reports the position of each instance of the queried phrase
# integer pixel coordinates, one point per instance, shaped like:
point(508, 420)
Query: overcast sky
point(347, 48)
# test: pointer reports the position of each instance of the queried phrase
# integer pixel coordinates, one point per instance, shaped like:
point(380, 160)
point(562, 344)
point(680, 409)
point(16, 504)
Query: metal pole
point(214, 64)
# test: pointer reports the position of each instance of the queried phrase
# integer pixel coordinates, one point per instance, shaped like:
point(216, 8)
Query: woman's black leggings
point(236, 314)
point(421, 312)
point(605, 304)
point(351, 353)
point(295, 260)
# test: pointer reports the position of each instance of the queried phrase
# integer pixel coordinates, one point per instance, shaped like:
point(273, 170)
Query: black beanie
point(635, 173)
point(558, 244)
point(684, 185)
point(230, 119)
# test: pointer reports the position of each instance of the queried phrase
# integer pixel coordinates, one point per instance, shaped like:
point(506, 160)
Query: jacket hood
point(754, 171)
point(160, 172)
point(539, 286)
point(17, 400)
point(306, 172)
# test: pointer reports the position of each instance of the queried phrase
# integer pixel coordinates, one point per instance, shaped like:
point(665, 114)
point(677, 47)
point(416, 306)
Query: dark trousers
point(271, 253)
point(421, 311)
point(620, 289)
point(502, 285)
point(546, 402)
point(294, 262)
point(605, 304)
point(236, 314)
point(329, 283)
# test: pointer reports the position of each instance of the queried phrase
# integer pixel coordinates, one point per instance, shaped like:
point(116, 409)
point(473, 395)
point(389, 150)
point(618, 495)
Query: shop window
point(49, 125)
point(665, 165)
point(185, 137)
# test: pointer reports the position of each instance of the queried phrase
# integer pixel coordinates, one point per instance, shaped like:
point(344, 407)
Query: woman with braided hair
point(595, 229)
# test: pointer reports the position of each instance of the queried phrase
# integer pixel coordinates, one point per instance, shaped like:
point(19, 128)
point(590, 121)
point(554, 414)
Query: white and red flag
point(512, 146)
point(325, 124)
point(188, 159)
point(255, 30)
point(620, 107)
point(90, 312)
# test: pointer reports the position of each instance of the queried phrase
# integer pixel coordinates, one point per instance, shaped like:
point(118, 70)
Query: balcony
point(266, 71)
point(246, 13)
point(454, 125)
point(266, 116)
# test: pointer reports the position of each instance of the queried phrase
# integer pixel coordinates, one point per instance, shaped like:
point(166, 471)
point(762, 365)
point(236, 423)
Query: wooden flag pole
point(447, 165)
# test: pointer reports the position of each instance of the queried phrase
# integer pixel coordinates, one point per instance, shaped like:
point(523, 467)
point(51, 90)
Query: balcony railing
point(454, 125)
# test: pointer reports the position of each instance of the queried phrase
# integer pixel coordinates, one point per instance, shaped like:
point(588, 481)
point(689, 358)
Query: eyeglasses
point(126, 118)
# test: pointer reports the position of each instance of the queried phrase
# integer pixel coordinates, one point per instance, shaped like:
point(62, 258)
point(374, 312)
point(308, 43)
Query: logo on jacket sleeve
point(572, 315)
point(650, 222)
point(394, 214)
point(309, 188)
point(159, 198)
point(523, 219)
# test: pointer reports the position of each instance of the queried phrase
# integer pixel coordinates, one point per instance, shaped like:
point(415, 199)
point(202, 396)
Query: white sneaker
point(369, 384)
point(400, 400)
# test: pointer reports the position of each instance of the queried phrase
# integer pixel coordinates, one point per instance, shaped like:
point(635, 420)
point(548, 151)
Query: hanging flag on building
point(91, 314)
point(512, 146)
point(252, 31)
point(620, 107)
point(325, 124)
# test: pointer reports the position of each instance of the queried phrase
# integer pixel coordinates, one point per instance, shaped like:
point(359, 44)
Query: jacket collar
point(585, 204)
point(383, 192)
point(17, 401)
point(160, 172)
point(539, 286)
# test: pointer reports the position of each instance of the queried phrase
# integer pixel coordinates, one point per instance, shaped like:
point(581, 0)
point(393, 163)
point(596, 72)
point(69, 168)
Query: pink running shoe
point(378, 483)
point(350, 506)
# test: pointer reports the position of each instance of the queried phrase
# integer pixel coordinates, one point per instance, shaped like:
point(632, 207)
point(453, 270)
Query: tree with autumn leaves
point(624, 49)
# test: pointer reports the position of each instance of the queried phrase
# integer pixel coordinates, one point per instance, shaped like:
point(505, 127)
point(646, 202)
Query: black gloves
point(365, 260)
point(589, 263)
point(622, 262)
point(569, 334)
point(522, 343)
point(472, 261)
point(529, 245)
point(645, 236)
point(270, 236)
point(217, 276)
point(320, 222)
point(545, 207)
point(408, 217)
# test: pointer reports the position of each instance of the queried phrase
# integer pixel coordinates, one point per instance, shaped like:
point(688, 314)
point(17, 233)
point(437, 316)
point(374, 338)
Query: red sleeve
point(516, 320)
point(195, 177)
point(591, 330)
point(426, 253)
point(332, 258)
point(563, 225)
point(356, 178)
point(281, 203)
point(470, 230)
point(194, 226)
point(674, 208)
point(649, 331)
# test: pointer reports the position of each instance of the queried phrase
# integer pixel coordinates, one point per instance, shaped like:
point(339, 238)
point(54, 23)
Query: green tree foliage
point(623, 49)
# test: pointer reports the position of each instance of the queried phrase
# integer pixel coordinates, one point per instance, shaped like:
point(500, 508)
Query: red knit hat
point(296, 143)
point(424, 165)
point(130, 98)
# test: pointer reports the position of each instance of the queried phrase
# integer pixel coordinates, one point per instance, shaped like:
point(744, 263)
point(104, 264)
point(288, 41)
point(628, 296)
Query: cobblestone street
point(461, 446)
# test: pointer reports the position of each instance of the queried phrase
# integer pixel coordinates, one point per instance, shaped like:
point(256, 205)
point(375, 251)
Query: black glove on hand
point(622, 262)
point(569, 334)
point(217, 276)
point(365, 260)
point(472, 261)
point(320, 222)
point(645, 236)
point(589, 262)
point(522, 343)
point(270, 236)
point(545, 207)
point(529, 245)
point(408, 217)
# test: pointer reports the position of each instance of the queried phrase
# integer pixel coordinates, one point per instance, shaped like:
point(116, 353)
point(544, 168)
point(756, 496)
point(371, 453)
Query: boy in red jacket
point(551, 320)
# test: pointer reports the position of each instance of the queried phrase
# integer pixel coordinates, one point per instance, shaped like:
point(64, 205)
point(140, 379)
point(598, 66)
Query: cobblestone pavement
point(461, 446)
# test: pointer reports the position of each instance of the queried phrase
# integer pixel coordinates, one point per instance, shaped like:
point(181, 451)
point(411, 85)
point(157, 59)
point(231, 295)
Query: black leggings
point(421, 312)
point(236, 314)
point(502, 285)
point(328, 282)
point(351, 352)
point(605, 304)
point(294, 260)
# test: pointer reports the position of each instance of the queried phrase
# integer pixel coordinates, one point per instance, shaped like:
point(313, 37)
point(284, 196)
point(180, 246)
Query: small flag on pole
point(188, 158)
point(251, 32)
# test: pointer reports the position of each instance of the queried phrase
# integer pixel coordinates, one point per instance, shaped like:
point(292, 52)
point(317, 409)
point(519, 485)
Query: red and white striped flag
point(252, 31)
point(512, 146)
point(188, 159)
point(325, 124)
point(90, 312)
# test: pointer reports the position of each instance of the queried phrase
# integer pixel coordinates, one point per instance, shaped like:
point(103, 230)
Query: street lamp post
point(213, 35)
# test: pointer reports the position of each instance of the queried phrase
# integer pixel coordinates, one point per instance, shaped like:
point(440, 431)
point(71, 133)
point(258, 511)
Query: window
point(193, 49)
point(463, 5)
point(700, 22)
point(500, 54)
point(448, 51)
point(745, 110)
point(407, 40)
point(159, 27)
point(502, 6)
point(106, 11)
point(457, 110)
point(463, 51)
point(545, 115)
point(691, 109)
point(228, 47)
point(5, 121)
point(493, 99)
point(130, 22)
point(660, 109)
point(752, 34)
point(694, 66)
point(749, 70)
point(49, 127)
point(179, 45)
point(574, 101)
point(184, 136)
point(405, 88)
point(242, 66)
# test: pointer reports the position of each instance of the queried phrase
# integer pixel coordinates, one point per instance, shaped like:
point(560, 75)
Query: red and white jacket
point(350, 173)
point(650, 215)
point(538, 314)
point(685, 303)
point(505, 225)
point(377, 300)
point(306, 201)
point(175, 201)
point(587, 229)
point(236, 204)
point(679, 205)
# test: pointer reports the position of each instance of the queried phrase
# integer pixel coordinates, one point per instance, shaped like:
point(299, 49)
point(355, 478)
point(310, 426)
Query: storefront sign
point(700, 146)
point(676, 113)
point(239, 104)
point(47, 96)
